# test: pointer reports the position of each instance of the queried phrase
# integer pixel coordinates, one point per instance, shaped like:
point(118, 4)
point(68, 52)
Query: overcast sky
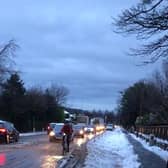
point(72, 43)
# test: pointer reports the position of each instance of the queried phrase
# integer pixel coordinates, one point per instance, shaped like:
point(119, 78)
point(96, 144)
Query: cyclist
point(67, 130)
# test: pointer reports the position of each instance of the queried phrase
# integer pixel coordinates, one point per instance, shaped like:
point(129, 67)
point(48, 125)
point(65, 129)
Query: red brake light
point(2, 130)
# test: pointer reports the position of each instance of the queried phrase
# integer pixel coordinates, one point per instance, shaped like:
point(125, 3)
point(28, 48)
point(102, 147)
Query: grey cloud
point(72, 43)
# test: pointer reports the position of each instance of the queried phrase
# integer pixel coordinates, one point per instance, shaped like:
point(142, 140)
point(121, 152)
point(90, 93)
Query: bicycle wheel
point(64, 145)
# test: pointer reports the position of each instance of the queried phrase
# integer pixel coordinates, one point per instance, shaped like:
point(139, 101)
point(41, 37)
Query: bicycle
point(65, 145)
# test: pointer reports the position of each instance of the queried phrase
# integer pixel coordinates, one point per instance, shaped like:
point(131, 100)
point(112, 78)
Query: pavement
point(146, 158)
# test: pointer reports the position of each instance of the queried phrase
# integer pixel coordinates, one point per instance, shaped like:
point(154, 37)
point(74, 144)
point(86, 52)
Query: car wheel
point(7, 139)
point(50, 139)
point(16, 139)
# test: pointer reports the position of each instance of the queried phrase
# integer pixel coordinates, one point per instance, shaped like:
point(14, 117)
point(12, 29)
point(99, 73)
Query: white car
point(89, 129)
point(109, 127)
point(56, 134)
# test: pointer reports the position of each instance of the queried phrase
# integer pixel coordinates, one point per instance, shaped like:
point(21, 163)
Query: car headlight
point(51, 133)
point(81, 132)
point(97, 128)
point(85, 129)
point(91, 129)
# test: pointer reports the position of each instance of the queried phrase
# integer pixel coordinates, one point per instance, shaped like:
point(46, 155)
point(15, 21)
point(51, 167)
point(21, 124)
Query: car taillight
point(48, 127)
point(3, 130)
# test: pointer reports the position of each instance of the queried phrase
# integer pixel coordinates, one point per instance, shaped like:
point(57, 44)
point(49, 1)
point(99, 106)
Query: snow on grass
point(32, 133)
point(160, 152)
point(161, 140)
point(111, 150)
point(157, 139)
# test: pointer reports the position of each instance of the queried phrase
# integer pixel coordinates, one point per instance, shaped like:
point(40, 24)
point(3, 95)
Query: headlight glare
point(81, 132)
point(51, 133)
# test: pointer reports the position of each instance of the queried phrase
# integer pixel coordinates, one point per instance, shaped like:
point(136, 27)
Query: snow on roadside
point(32, 133)
point(157, 139)
point(161, 140)
point(158, 151)
point(110, 150)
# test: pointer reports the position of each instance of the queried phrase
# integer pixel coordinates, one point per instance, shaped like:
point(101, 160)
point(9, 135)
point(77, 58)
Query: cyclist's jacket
point(67, 129)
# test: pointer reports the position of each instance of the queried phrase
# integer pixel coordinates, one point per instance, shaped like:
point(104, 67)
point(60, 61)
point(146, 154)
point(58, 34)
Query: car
point(50, 127)
point(109, 127)
point(56, 134)
point(78, 130)
point(100, 127)
point(8, 133)
point(89, 129)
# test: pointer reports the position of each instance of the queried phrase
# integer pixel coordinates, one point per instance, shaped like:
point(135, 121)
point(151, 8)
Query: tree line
point(146, 101)
point(27, 108)
point(33, 107)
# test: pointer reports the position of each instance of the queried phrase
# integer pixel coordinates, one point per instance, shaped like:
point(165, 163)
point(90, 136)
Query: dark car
point(50, 127)
point(8, 133)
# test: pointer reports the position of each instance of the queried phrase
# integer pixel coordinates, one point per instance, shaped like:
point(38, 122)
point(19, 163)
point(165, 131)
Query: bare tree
point(160, 81)
point(60, 93)
point(147, 20)
point(7, 51)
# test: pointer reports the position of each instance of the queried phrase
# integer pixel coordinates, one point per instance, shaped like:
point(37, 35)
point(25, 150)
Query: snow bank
point(161, 140)
point(160, 152)
point(157, 139)
point(110, 150)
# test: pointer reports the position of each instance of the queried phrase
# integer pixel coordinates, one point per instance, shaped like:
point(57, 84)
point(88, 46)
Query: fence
point(160, 131)
point(155, 135)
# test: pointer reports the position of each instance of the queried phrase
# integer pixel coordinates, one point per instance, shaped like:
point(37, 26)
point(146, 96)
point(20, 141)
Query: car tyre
point(50, 139)
point(7, 139)
point(16, 139)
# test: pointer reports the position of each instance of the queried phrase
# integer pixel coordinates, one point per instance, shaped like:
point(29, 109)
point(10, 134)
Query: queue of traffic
point(8, 133)
point(79, 130)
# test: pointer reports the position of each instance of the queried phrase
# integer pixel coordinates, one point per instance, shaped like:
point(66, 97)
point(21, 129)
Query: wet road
point(35, 152)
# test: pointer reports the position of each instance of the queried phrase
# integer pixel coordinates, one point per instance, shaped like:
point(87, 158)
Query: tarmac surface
point(147, 158)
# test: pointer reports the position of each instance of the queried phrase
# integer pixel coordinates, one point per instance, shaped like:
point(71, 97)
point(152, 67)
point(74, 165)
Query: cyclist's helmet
point(66, 121)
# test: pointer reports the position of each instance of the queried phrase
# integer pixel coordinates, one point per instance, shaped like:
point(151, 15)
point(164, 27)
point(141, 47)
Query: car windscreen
point(58, 128)
point(90, 126)
point(1, 125)
point(52, 125)
point(78, 127)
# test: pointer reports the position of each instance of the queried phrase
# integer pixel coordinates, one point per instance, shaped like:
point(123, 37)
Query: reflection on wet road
point(49, 161)
point(2, 159)
point(80, 141)
point(35, 152)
